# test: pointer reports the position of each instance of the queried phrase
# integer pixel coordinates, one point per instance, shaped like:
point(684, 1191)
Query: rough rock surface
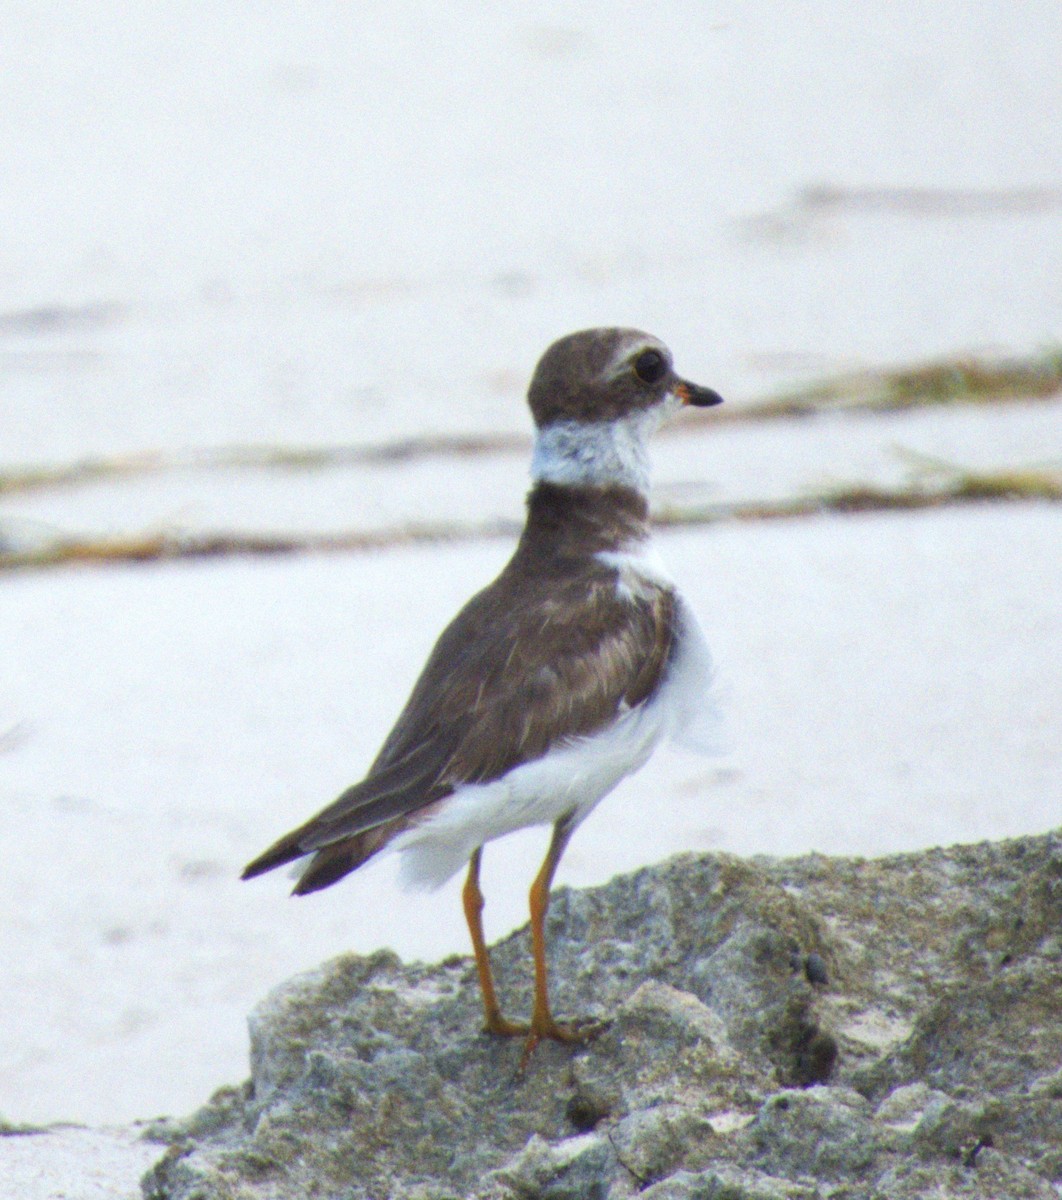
point(806, 1028)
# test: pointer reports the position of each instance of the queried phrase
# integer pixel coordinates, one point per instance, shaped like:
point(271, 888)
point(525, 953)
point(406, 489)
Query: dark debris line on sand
point(955, 381)
point(947, 488)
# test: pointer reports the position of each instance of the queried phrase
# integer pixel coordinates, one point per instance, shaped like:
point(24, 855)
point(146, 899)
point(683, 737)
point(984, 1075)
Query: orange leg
point(473, 902)
point(542, 1023)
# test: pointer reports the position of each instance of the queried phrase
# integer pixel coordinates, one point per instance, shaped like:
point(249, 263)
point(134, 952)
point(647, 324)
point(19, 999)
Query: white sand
point(891, 682)
point(327, 225)
point(74, 1164)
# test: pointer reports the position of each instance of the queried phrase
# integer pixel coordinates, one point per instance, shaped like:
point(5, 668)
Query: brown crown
point(589, 376)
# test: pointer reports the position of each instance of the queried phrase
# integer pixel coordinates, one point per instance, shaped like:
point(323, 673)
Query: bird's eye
point(650, 366)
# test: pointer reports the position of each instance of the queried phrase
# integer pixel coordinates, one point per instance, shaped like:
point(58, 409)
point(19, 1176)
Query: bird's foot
point(544, 1026)
point(541, 1027)
point(500, 1026)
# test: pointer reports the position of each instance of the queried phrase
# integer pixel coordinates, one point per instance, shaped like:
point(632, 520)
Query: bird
point(555, 681)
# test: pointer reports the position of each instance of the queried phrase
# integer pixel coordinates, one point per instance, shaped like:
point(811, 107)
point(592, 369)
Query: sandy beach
point(235, 230)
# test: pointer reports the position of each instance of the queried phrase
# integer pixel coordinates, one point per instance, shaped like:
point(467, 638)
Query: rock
point(772, 1029)
point(821, 1133)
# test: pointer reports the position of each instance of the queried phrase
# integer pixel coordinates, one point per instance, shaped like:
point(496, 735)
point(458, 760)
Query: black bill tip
point(699, 397)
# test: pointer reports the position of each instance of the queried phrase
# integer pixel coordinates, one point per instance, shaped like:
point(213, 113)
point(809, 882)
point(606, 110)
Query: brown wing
point(410, 775)
point(506, 681)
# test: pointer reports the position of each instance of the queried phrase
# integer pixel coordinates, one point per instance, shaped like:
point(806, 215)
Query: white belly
point(572, 777)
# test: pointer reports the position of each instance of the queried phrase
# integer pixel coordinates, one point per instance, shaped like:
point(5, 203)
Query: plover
point(551, 684)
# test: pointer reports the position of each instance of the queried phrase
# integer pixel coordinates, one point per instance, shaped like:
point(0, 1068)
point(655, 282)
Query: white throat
point(600, 453)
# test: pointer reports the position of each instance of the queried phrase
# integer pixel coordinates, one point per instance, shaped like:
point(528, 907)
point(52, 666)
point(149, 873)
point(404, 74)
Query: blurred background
point(273, 278)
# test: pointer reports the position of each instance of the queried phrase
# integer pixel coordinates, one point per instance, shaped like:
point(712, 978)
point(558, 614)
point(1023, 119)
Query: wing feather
point(523, 667)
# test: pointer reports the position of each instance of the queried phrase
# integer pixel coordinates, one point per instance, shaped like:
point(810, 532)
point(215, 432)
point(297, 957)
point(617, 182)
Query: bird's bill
point(699, 397)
